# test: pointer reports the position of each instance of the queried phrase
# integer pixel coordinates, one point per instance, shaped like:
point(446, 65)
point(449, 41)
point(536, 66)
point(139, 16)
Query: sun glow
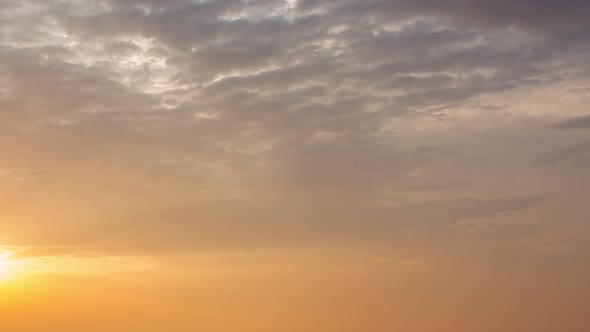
point(9, 268)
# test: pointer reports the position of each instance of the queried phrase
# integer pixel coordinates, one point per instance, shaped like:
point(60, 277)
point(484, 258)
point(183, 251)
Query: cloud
point(527, 14)
point(582, 122)
point(565, 153)
point(130, 119)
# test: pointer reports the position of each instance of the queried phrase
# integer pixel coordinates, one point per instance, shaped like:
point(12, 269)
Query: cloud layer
point(271, 124)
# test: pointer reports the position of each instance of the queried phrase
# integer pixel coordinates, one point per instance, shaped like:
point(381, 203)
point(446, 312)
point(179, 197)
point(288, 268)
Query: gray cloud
point(566, 153)
point(582, 122)
point(232, 102)
point(528, 14)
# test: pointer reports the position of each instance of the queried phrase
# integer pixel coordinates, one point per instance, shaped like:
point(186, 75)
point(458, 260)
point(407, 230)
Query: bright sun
point(8, 266)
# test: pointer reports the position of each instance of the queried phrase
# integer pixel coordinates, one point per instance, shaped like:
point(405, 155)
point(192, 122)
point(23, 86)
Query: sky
point(294, 166)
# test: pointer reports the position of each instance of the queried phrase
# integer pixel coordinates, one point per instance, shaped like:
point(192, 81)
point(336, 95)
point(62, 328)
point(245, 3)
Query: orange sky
point(294, 166)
